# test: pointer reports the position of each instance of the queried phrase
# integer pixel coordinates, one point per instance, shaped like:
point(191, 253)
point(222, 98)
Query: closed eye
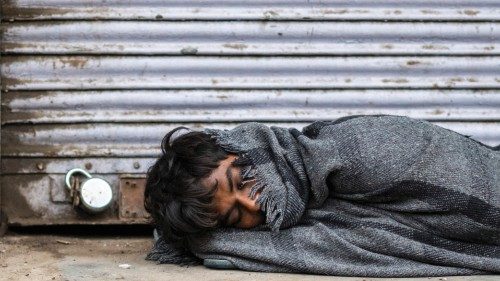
point(240, 185)
point(239, 216)
point(235, 216)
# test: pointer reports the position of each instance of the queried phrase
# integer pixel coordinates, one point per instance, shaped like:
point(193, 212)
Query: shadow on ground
point(96, 253)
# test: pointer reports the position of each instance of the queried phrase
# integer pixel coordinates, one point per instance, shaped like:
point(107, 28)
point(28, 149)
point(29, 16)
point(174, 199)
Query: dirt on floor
point(69, 257)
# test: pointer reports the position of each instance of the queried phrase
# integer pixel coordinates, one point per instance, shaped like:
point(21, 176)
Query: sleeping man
point(379, 196)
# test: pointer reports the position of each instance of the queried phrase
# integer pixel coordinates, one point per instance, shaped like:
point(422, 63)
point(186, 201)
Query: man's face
point(233, 205)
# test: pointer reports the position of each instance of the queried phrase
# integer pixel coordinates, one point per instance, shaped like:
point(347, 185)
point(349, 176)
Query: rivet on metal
point(40, 166)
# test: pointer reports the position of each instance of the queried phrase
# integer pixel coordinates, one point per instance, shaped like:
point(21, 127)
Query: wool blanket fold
point(379, 196)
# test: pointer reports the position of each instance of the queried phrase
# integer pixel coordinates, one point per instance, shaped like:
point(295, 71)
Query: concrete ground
point(69, 257)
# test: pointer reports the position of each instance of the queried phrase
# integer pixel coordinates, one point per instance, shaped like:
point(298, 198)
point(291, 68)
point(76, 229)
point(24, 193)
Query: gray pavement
point(52, 257)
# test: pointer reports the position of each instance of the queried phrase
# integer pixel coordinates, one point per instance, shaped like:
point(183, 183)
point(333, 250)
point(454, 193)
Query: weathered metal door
point(96, 84)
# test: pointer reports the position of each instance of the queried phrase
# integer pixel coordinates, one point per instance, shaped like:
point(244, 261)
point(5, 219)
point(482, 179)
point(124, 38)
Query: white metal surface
point(166, 72)
point(464, 10)
point(245, 105)
point(142, 140)
point(251, 37)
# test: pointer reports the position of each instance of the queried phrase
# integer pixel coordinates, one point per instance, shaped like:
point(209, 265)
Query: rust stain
point(399, 81)
point(397, 12)
point(41, 199)
point(13, 202)
point(387, 46)
point(222, 97)
point(456, 79)
point(497, 80)
point(236, 46)
point(78, 62)
point(10, 83)
point(13, 46)
point(10, 117)
point(348, 80)
point(18, 141)
point(214, 81)
point(437, 111)
point(335, 11)
point(131, 200)
point(452, 81)
point(434, 47)
point(413, 62)
point(14, 167)
point(16, 59)
point(489, 48)
point(21, 149)
point(472, 80)
point(430, 12)
point(159, 17)
point(471, 12)
point(10, 11)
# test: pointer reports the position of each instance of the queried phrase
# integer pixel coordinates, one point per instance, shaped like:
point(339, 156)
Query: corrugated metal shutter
point(96, 84)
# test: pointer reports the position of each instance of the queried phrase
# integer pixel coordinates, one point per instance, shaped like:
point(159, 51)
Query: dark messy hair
point(179, 205)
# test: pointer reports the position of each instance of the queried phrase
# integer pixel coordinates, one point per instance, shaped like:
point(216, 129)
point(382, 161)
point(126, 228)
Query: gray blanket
point(380, 196)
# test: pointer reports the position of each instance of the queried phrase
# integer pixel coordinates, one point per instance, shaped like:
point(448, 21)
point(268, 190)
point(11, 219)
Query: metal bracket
point(131, 200)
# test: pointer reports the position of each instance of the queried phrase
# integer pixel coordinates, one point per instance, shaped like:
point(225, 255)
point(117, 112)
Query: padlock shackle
point(70, 173)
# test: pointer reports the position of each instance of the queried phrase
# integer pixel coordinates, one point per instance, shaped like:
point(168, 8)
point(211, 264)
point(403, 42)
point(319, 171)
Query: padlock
point(94, 194)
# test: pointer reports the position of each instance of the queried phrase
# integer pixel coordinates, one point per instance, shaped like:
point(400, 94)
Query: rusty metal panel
point(51, 165)
point(131, 200)
point(43, 199)
point(244, 105)
point(166, 72)
point(96, 84)
point(251, 38)
point(464, 10)
point(143, 140)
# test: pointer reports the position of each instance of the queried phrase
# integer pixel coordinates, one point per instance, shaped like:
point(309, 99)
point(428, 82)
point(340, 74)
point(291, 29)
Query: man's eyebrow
point(229, 176)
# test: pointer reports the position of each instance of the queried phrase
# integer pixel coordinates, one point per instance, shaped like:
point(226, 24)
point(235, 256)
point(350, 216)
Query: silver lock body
point(95, 194)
